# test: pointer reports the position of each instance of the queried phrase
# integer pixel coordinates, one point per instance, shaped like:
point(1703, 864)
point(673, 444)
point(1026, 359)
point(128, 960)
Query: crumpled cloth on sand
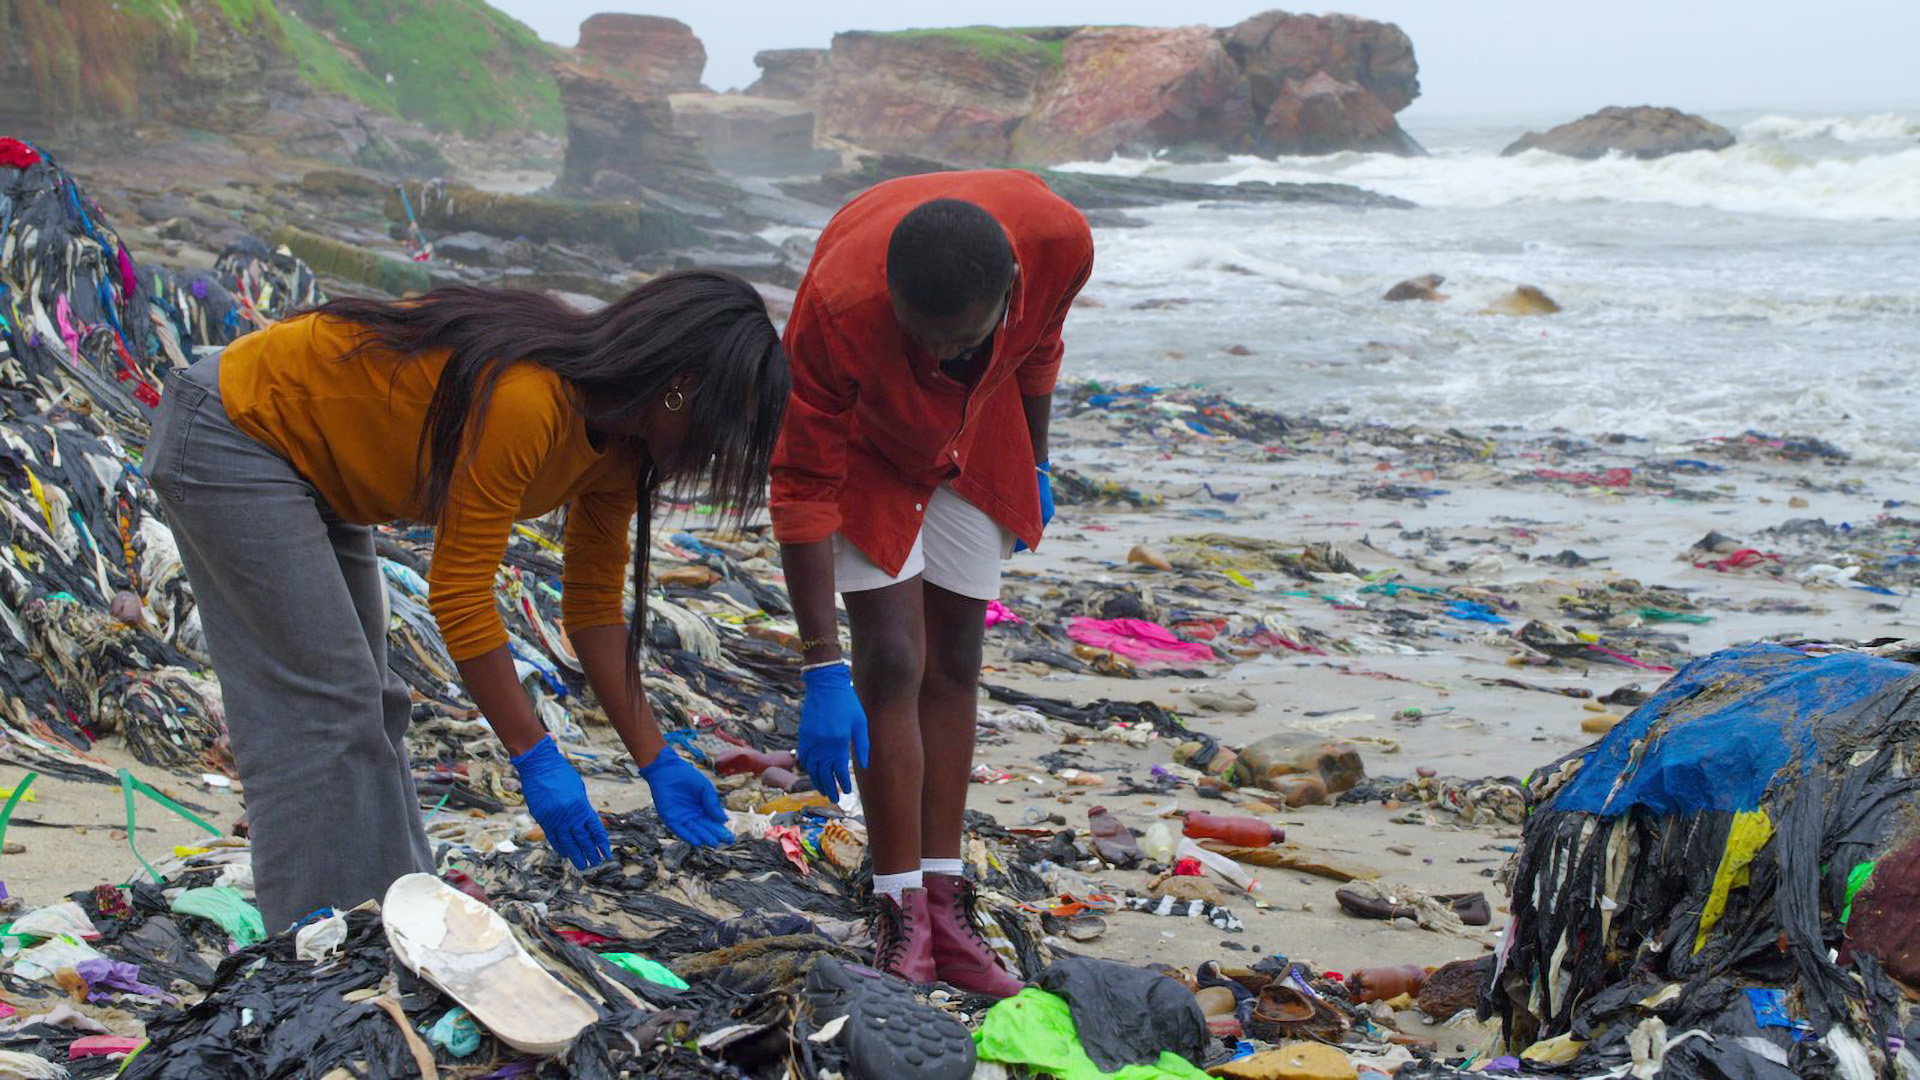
point(1138, 640)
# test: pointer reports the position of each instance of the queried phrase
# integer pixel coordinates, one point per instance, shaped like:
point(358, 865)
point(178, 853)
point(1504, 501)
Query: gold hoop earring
point(674, 401)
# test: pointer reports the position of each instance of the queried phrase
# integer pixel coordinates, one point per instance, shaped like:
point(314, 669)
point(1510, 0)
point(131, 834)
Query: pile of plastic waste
point(1724, 885)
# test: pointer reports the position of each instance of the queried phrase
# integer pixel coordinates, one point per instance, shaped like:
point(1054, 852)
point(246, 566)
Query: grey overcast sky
point(1488, 58)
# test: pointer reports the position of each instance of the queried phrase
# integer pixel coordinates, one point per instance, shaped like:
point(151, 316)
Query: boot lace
point(967, 898)
point(891, 934)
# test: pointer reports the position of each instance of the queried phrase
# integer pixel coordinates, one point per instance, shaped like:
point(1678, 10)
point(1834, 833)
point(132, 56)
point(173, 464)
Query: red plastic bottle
point(740, 760)
point(1238, 831)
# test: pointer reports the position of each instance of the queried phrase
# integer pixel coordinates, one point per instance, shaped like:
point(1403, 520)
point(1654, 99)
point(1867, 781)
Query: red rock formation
point(932, 94)
point(787, 73)
point(1276, 83)
point(1325, 115)
point(659, 53)
point(1275, 46)
point(1139, 90)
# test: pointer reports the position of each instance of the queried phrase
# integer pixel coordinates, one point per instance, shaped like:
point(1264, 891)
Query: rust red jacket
point(873, 426)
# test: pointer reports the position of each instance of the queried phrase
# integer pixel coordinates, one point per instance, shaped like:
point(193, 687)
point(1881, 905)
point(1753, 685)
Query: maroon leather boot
point(903, 937)
point(961, 956)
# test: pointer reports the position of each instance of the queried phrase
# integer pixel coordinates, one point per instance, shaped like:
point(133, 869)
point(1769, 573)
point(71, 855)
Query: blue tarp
point(1719, 732)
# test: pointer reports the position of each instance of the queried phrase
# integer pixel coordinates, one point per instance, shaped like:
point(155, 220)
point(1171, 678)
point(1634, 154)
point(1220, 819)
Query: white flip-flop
point(467, 950)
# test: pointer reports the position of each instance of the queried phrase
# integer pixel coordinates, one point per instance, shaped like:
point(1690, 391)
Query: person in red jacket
point(924, 343)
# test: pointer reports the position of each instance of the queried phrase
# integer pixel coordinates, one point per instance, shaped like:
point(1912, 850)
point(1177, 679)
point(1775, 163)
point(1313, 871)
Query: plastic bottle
point(1238, 831)
point(1216, 1001)
point(1159, 842)
point(1112, 840)
point(1385, 983)
point(1219, 864)
point(1065, 879)
point(1222, 760)
point(1272, 761)
point(741, 760)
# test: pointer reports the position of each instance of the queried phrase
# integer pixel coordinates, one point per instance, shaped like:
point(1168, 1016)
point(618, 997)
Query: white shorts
point(959, 549)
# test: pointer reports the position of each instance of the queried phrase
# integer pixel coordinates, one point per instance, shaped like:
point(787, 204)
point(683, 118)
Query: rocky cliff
point(1277, 83)
point(450, 65)
point(1137, 89)
point(656, 52)
point(786, 73)
point(954, 95)
point(622, 144)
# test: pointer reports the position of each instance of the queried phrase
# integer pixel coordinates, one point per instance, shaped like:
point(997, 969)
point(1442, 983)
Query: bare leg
point(949, 695)
point(889, 655)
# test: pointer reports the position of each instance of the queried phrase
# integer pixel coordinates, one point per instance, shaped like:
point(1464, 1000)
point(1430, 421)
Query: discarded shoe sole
point(1082, 928)
point(467, 950)
point(1471, 907)
point(1283, 1012)
point(1237, 702)
point(888, 1032)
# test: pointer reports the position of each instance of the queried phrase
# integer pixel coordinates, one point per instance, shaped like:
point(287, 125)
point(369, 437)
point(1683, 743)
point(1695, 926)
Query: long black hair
point(706, 330)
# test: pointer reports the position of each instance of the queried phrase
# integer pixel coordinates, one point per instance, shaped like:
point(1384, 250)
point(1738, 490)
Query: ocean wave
point(1760, 177)
point(1881, 127)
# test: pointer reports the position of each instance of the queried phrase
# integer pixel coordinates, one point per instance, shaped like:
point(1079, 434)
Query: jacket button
point(916, 506)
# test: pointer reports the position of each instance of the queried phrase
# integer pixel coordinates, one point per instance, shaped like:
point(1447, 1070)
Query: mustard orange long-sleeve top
point(352, 428)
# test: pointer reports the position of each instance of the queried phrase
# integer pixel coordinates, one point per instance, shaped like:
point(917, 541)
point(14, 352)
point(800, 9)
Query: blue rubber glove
point(831, 721)
point(686, 800)
point(557, 799)
point(1045, 471)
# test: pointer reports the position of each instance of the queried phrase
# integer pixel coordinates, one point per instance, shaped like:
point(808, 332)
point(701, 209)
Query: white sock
point(949, 867)
point(892, 885)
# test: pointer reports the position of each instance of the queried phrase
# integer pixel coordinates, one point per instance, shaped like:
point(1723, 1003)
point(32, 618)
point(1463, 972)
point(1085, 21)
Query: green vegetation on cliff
point(993, 43)
point(452, 65)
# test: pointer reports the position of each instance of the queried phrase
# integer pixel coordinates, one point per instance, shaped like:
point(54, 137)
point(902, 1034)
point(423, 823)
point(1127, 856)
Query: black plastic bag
point(1128, 1015)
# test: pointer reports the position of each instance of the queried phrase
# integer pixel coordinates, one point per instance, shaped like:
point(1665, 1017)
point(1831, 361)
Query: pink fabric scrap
point(102, 1046)
point(1610, 478)
point(1138, 640)
point(793, 846)
point(129, 280)
point(1739, 560)
point(63, 314)
point(998, 613)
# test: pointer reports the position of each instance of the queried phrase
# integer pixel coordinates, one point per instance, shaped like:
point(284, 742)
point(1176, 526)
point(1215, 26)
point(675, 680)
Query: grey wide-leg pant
point(295, 614)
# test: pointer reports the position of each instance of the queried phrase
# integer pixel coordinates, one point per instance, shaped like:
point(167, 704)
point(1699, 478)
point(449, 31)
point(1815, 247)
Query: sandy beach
point(1404, 446)
point(1488, 534)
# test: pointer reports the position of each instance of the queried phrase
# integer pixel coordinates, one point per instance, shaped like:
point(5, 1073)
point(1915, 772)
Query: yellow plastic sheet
point(1555, 1051)
point(1750, 832)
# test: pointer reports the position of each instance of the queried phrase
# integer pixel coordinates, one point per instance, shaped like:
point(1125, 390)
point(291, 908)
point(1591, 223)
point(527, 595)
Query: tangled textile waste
point(1719, 865)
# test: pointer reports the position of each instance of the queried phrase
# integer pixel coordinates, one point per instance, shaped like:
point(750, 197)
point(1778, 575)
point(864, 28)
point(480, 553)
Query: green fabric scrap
point(1856, 880)
point(1654, 614)
point(456, 1033)
point(225, 906)
point(1035, 1029)
point(652, 971)
point(1395, 588)
point(129, 784)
